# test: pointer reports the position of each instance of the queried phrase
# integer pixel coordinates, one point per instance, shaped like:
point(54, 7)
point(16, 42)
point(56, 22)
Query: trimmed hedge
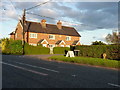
point(29, 49)
point(60, 50)
point(97, 51)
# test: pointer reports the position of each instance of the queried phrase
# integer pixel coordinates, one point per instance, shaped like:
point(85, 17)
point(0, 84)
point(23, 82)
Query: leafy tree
point(113, 38)
point(98, 43)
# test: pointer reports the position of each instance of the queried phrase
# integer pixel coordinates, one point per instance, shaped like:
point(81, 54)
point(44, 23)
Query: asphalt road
point(29, 72)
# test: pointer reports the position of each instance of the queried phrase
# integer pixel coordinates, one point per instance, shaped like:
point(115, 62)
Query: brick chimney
point(43, 23)
point(59, 24)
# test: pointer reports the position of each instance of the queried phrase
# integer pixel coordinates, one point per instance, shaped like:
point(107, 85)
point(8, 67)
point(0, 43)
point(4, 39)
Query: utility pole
point(23, 33)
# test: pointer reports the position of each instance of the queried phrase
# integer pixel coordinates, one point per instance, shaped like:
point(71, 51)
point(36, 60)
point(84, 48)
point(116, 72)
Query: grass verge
point(89, 61)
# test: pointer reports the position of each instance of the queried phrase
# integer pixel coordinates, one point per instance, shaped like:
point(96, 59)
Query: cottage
point(49, 35)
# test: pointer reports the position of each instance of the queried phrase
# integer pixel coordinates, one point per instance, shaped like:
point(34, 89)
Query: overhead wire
point(38, 5)
point(19, 17)
point(65, 21)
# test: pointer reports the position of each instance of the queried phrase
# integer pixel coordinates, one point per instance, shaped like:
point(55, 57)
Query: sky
point(92, 19)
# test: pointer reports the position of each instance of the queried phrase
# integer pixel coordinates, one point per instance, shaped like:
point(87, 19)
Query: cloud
point(90, 15)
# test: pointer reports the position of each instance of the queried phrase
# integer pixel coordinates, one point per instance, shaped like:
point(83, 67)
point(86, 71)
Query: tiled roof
point(50, 29)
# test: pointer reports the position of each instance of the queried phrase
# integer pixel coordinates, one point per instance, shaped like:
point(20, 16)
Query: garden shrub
point(12, 47)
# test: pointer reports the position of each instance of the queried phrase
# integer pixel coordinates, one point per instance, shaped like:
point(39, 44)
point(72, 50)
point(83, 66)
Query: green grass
point(88, 60)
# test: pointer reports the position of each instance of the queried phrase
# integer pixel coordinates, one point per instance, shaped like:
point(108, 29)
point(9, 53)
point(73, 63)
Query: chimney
point(43, 23)
point(59, 24)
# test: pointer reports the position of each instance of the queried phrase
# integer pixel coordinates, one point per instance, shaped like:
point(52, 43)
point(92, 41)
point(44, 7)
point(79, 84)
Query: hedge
point(29, 49)
point(60, 50)
point(97, 51)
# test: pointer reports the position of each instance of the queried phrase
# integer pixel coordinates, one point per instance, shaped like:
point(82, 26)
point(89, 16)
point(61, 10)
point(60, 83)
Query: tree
point(113, 38)
point(98, 43)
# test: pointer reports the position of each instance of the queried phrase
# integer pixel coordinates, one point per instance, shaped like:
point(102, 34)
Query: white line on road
point(24, 69)
point(114, 85)
point(38, 67)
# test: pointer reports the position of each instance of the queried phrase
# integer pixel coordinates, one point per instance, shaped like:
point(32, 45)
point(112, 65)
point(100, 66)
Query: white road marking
point(24, 69)
point(114, 85)
point(74, 75)
point(38, 67)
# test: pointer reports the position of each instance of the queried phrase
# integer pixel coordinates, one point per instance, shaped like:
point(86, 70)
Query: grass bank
point(89, 61)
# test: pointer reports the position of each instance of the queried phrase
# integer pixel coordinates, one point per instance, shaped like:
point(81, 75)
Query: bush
point(60, 50)
point(97, 51)
point(29, 49)
point(11, 46)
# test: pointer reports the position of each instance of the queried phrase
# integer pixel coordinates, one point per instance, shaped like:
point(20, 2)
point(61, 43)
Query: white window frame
point(33, 35)
point(68, 38)
point(53, 37)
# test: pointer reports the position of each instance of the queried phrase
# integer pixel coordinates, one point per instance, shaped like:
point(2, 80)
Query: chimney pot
point(43, 23)
point(59, 24)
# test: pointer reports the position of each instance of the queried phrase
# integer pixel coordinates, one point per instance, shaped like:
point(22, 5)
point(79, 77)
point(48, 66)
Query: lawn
point(89, 61)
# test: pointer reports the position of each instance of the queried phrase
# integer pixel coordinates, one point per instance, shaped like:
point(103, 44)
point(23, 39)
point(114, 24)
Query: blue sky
point(93, 20)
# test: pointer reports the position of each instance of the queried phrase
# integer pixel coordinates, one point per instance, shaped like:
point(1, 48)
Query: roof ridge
point(48, 24)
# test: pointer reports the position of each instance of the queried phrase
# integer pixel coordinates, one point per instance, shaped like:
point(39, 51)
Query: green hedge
point(96, 51)
point(60, 50)
point(29, 49)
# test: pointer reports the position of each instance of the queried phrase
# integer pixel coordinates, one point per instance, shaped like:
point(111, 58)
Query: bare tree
point(113, 38)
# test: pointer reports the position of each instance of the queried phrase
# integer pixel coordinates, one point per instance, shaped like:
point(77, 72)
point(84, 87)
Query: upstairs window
point(33, 35)
point(51, 36)
point(68, 38)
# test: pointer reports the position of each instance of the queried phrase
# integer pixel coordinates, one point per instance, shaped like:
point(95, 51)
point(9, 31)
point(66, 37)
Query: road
point(29, 72)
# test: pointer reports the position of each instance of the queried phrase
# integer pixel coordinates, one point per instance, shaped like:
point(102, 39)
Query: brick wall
point(46, 36)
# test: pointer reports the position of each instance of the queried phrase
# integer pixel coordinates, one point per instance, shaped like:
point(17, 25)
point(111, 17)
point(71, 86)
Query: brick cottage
point(49, 35)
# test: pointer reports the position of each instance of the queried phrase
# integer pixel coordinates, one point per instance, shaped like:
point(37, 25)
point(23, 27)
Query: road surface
point(29, 72)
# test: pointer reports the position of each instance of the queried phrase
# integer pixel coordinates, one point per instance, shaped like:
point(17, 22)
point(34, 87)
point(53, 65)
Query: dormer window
point(68, 38)
point(52, 37)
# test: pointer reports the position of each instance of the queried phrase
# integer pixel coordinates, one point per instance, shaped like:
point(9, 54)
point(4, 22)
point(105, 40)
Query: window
point(68, 38)
point(33, 35)
point(51, 36)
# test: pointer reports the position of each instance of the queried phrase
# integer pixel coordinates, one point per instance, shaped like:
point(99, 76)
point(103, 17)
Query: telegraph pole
point(23, 33)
